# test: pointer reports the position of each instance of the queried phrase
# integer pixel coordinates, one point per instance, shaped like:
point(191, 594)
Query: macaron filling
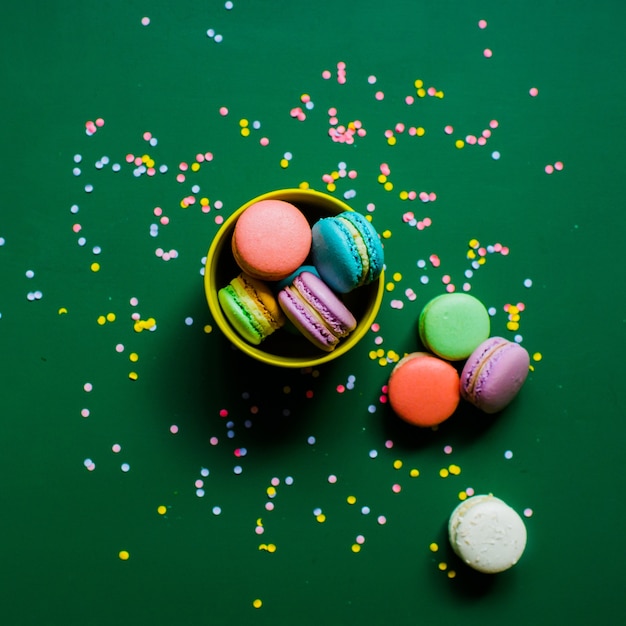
point(353, 233)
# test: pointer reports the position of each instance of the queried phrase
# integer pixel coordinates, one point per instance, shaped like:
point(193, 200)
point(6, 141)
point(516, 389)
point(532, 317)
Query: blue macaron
point(347, 251)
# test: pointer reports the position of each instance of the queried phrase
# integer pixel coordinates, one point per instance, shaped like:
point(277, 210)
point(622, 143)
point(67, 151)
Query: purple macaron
point(494, 374)
point(316, 311)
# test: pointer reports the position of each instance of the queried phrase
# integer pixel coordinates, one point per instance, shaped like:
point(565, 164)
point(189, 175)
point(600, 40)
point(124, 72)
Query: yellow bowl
point(284, 348)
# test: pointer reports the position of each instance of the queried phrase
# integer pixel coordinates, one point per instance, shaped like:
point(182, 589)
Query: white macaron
point(487, 534)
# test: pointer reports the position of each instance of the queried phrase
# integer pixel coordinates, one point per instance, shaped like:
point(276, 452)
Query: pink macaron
point(494, 373)
point(271, 239)
point(316, 311)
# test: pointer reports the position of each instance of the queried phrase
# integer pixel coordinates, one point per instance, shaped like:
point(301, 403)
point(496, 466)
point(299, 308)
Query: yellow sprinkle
point(397, 464)
point(462, 495)
point(356, 548)
point(62, 310)
point(161, 510)
point(513, 310)
point(245, 132)
point(397, 276)
point(303, 185)
point(421, 92)
point(482, 260)
point(183, 205)
point(393, 355)
point(243, 123)
point(390, 286)
point(454, 469)
point(451, 574)
point(257, 604)
point(150, 322)
point(382, 362)
point(391, 140)
point(145, 158)
point(514, 318)
point(382, 178)
point(373, 355)
point(414, 473)
point(459, 143)
point(134, 357)
point(334, 175)
point(102, 320)
point(271, 491)
point(204, 202)
point(124, 555)
point(133, 375)
point(95, 267)
point(351, 126)
point(271, 547)
point(418, 83)
point(150, 163)
point(420, 131)
point(433, 547)
point(284, 163)
point(259, 521)
point(386, 234)
point(388, 186)
point(531, 368)
point(331, 187)
point(404, 195)
point(443, 472)
point(208, 328)
point(537, 356)
point(512, 325)
point(474, 243)
point(351, 499)
point(195, 167)
point(443, 566)
point(321, 518)
point(262, 546)
point(380, 352)
point(439, 94)
point(110, 317)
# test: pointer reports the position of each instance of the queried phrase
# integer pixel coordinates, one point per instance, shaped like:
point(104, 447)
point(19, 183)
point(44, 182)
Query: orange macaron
point(423, 389)
point(271, 239)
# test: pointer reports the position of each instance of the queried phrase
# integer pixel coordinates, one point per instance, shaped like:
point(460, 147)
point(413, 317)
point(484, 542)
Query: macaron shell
point(347, 251)
point(423, 389)
point(316, 311)
point(271, 239)
point(494, 374)
point(487, 534)
point(240, 319)
point(452, 325)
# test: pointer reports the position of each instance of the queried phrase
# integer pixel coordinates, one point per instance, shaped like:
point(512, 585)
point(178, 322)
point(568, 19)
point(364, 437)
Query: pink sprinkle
point(158, 211)
point(305, 98)
point(505, 251)
point(76, 228)
point(448, 130)
point(341, 65)
point(116, 447)
point(145, 21)
point(119, 347)
point(450, 288)
point(264, 141)
point(360, 539)
point(388, 443)
point(399, 127)
point(382, 520)
point(388, 133)
point(326, 74)
point(213, 441)
point(371, 79)
point(409, 100)
point(130, 158)
point(173, 429)
point(470, 139)
point(396, 488)
point(375, 327)
point(431, 91)
point(384, 169)
point(528, 512)
point(558, 165)
point(269, 506)
point(488, 53)
point(208, 156)
point(165, 220)
point(482, 24)
point(87, 387)
point(412, 131)
point(147, 136)
point(180, 178)
point(533, 91)
point(497, 247)
point(332, 479)
point(85, 412)
point(469, 491)
point(134, 301)
point(183, 167)
point(99, 122)
point(332, 111)
point(223, 111)
point(486, 133)
point(379, 95)
point(434, 259)
point(352, 174)
point(340, 388)
point(424, 196)
point(549, 169)
point(361, 132)
point(432, 196)
point(259, 530)
point(481, 141)
point(219, 220)
point(493, 124)
point(445, 279)
point(412, 195)
point(447, 449)
point(341, 79)
point(275, 481)
point(138, 161)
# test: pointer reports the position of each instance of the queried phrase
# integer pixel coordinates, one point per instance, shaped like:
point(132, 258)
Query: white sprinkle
point(495, 155)
point(528, 283)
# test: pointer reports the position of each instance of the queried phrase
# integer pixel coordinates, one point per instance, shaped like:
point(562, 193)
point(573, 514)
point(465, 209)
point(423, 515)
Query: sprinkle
point(495, 155)
point(161, 510)
point(125, 467)
point(537, 356)
point(356, 548)
point(382, 520)
point(124, 555)
point(433, 547)
point(528, 512)
point(216, 510)
point(482, 24)
point(487, 53)
point(257, 603)
point(351, 499)
point(533, 91)
point(145, 21)
point(508, 454)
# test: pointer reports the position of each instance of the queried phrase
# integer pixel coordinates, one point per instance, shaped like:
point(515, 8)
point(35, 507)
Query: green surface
point(63, 525)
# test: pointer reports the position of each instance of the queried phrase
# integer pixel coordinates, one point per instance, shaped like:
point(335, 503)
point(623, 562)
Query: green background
point(62, 526)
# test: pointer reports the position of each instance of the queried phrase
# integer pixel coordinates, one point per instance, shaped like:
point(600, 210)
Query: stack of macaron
point(295, 274)
point(425, 387)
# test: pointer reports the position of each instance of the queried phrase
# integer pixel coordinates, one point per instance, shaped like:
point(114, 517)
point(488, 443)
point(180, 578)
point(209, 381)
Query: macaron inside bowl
point(271, 239)
point(423, 389)
point(251, 308)
point(316, 311)
point(347, 251)
point(494, 373)
point(487, 534)
point(452, 325)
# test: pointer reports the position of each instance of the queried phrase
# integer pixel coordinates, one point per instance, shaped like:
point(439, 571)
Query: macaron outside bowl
point(282, 349)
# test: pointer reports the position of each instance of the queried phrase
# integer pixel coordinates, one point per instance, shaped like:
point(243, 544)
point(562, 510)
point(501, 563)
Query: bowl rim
point(291, 195)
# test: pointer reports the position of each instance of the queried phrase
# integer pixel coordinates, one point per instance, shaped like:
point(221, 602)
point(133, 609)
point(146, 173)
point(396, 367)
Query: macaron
point(423, 389)
point(316, 311)
point(487, 534)
point(347, 251)
point(271, 239)
point(251, 308)
point(494, 374)
point(452, 325)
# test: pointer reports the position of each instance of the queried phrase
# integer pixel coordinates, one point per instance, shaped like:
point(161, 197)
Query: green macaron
point(452, 325)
